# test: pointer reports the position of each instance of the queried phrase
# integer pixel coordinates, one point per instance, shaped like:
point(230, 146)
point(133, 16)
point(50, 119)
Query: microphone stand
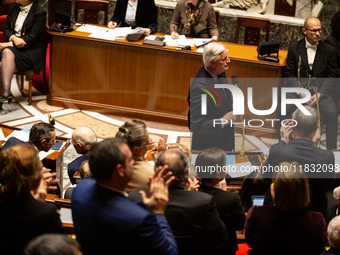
point(242, 154)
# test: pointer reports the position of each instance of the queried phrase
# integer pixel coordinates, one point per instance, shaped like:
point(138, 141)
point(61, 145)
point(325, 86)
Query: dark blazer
point(269, 231)
point(13, 141)
point(306, 154)
point(232, 214)
point(106, 222)
point(32, 32)
point(194, 220)
point(22, 218)
point(204, 134)
point(146, 15)
point(324, 65)
point(75, 166)
point(336, 44)
point(331, 251)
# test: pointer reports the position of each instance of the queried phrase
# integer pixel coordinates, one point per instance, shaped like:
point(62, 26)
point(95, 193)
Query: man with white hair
point(333, 232)
point(218, 106)
point(83, 139)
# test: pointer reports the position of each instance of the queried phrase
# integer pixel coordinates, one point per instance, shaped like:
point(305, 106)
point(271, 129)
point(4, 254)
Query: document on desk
point(91, 29)
point(2, 136)
point(202, 41)
point(66, 215)
point(21, 135)
point(181, 42)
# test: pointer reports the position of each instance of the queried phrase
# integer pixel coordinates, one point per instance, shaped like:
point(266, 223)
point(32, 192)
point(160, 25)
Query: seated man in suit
point(42, 137)
point(83, 139)
point(333, 232)
point(218, 105)
point(105, 221)
point(317, 163)
point(192, 215)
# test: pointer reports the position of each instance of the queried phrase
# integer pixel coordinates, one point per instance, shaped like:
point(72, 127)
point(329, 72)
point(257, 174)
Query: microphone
point(234, 80)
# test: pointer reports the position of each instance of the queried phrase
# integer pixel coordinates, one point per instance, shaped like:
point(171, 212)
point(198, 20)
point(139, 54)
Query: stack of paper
point(181, 42)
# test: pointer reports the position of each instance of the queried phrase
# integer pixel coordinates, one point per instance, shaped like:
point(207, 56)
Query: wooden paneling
point(136, 80)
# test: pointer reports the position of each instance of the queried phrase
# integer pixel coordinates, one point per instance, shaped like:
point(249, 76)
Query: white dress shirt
point(311, 51)
point(130, 16)
point(24, 10)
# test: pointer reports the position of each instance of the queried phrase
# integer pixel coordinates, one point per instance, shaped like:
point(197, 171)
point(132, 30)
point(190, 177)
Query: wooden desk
point(147, 82)
point(54, 161)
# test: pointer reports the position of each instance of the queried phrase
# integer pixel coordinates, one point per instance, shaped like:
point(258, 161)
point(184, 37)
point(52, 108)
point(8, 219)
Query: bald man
point(309, 58)
point(333, 232)
point(83, 139)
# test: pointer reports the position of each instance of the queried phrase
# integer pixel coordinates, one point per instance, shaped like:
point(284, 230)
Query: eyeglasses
point(314, 31)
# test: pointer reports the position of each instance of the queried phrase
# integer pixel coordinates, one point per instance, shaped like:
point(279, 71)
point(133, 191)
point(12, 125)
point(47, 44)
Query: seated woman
point(137, 137)
point(24, 49)
point(228, 204)
point(135, 13)
point(194, 18)
point(21, 216)
point(286, 228)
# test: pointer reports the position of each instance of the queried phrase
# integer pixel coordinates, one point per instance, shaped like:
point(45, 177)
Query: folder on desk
point(154, 42)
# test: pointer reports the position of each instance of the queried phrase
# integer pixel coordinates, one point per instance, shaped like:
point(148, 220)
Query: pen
point(174, 29)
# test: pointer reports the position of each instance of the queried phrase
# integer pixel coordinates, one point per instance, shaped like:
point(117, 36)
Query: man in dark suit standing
point(105, 221)
point(317, 163)
point(309, 58)
point(219, 104)
point(83, 139)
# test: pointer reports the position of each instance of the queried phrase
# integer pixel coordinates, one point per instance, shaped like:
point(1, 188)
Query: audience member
point(253, 185)
point(286, 228)
point(194, 18)
point(334, 40)
point(84, 172)
point(333, 232)
point(42, 136)
point(137, 137)
point(24, 46)
point(204, 134)
point(309, 58)
point(192, 215)
point(53, 244)
point(83, 139)
point(21, 216)
point(228, 204)
point(135, 13)
point(303, 151)
point(105, 221)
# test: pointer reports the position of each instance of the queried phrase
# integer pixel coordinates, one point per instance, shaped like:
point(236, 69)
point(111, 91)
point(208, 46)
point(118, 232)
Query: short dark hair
point(105, 156)
point(177, 161)
point(207, 161)
point(291, 187)
point(335, 25)
point(52, 244)
point(39, 132)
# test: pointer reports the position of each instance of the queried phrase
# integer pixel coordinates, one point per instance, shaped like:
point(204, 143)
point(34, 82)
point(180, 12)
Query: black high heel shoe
point(6, 100)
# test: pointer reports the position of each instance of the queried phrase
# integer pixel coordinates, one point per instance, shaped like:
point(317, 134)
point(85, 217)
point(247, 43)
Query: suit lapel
point(30, 15)
point(15, 16)
point(319, 58)
point(303, 53)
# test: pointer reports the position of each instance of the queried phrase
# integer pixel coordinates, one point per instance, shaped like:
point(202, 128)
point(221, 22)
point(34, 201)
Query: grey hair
point(177, 161)
point(333, 232)
point(212, 51)
point(85, 136)
point(306, 124)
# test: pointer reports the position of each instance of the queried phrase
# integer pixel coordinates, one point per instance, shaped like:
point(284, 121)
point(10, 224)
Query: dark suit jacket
point(232, 214)
point(194, 220)
point(146, 15)
point(306, 154)
point(269, 231)
point(22, 218)
point(75, 165)
point(331, 251)
point(324, 65)
point(106, 222)
point(336, 44)
point(32, 32)
point(204, 134)
point(13, 141)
